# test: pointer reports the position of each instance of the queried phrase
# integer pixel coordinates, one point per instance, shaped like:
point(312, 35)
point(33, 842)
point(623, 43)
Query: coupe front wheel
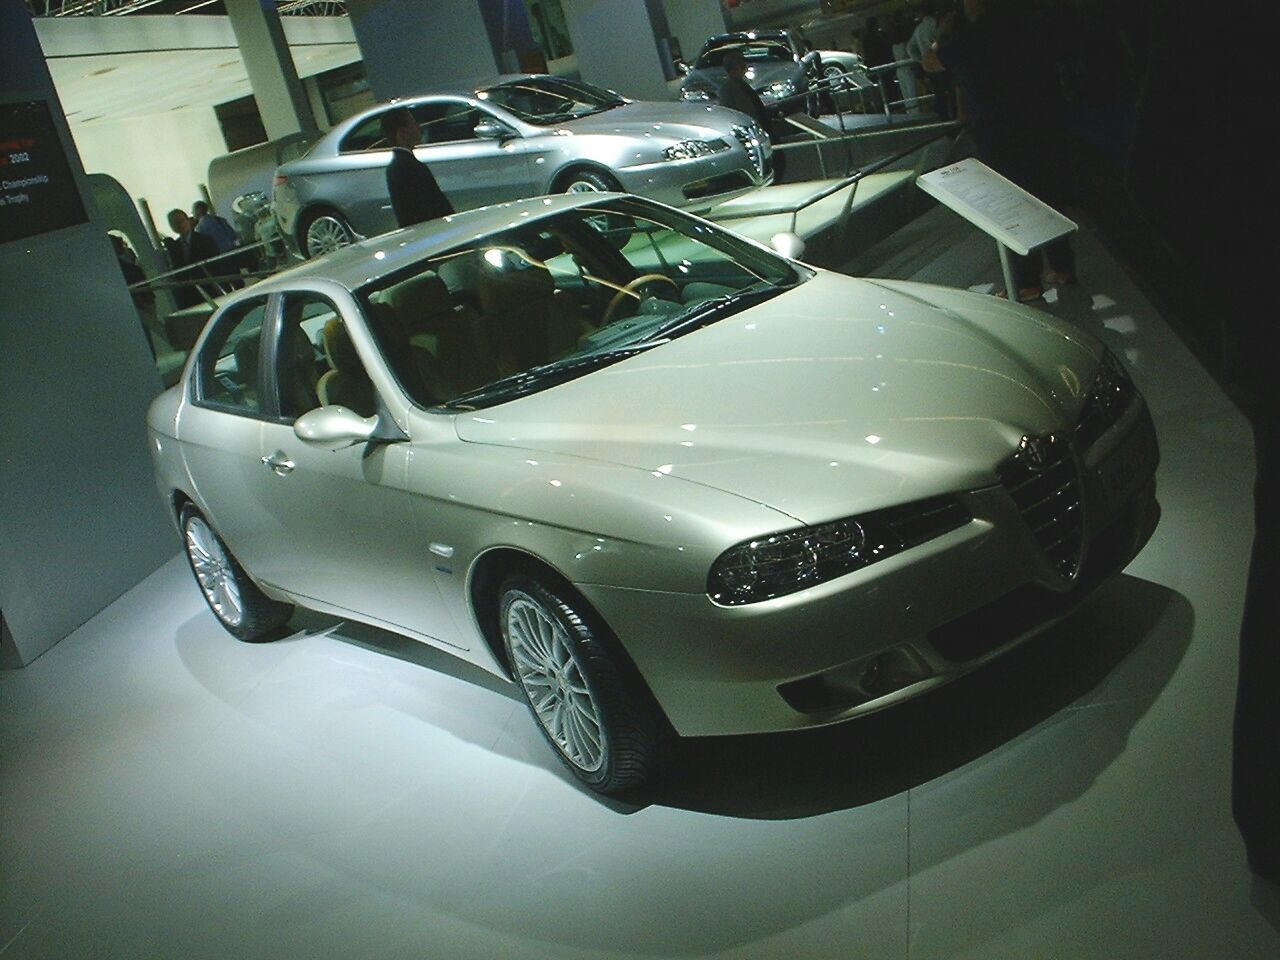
point(244, 611)
point(590, 707)
point(590, 181)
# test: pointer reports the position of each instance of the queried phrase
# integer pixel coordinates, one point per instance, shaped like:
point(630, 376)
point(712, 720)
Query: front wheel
point(590, 707)
point(589, 181)
point(326, 232)
point(244, 611)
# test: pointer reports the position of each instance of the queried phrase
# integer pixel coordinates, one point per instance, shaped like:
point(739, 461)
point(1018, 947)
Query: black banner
point(37, 190)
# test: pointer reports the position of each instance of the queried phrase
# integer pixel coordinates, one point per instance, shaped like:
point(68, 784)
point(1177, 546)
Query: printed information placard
point(37, 190)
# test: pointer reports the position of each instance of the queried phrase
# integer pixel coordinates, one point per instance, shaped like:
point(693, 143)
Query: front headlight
point(688, 149)
point(779, 89)
point(782, 563)
point(694, 93)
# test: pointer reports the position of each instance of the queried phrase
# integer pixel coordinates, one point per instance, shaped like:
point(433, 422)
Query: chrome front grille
point(752, 140)
point(1043, 479)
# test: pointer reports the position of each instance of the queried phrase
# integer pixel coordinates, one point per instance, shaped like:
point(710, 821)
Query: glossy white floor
point(167, 792)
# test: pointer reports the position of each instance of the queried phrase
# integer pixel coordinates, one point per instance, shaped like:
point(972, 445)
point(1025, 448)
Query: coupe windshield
point(555, 297)
point(549, 100)
point(759, 52)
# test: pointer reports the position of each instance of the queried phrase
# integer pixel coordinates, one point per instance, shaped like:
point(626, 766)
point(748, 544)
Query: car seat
point(346, 382)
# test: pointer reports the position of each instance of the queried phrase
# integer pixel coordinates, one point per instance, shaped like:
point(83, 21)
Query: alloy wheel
point(552, 679)
point(327, 233)
point(214, 572)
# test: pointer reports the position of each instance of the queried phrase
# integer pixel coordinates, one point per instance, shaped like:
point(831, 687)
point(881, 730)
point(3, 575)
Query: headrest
point(338, 347)
point(420, 298)
point(246, 353)
point(512, 286)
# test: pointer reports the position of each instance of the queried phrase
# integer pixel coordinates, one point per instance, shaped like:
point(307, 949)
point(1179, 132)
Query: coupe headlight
point(694, 93)
point(688, 149)
point(782, 563)
point(1109, 397)
point(780, 88)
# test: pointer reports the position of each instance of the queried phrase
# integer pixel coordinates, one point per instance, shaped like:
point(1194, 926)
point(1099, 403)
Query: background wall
point(162, 158)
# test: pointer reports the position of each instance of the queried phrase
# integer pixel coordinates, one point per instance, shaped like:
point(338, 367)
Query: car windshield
point(758, 52)
point(552, 298)
point(545, 101)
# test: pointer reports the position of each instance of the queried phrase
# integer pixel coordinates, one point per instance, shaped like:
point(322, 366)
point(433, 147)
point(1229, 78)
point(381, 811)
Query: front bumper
point(890, 631)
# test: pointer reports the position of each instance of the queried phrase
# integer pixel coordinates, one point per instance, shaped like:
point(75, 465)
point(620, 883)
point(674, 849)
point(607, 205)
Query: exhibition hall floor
point(167, 792)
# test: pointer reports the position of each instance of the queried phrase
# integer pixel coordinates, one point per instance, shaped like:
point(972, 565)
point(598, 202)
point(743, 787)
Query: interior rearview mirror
point(787, 244)
point(334, 427)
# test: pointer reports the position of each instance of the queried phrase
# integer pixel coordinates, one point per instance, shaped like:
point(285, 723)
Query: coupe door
point(340, 519)
point(472, 171)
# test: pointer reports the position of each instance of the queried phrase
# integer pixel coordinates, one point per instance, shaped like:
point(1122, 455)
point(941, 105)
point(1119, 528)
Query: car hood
point(759, 76)
point(660, 120)
point(836, 397)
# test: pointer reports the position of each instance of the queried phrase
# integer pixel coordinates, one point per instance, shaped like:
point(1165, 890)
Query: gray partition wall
point(80, 519)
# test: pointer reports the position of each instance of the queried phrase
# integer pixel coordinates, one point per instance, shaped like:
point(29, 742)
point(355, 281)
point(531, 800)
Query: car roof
point(746, 36)
point(370, 260)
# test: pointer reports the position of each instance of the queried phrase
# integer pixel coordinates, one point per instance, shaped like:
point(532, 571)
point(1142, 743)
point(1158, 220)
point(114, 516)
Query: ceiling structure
point(116, 8)
point(122, 68)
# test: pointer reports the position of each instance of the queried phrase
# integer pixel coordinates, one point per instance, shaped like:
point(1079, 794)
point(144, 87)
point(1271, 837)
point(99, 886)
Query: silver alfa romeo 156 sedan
point(658, 476)
point(520, 136)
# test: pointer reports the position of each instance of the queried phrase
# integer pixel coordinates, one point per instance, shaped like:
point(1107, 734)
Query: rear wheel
point(589, 705)
point(243, 610)
point(325, 232)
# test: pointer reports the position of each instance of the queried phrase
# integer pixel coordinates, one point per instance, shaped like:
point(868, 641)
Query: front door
point(341, 518)
point(472, 171)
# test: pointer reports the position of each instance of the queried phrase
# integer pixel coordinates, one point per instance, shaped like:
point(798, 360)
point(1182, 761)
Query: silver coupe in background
point(657, 476)
point(520, 137)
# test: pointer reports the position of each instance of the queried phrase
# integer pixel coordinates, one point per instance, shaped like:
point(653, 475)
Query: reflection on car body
point(655, 474)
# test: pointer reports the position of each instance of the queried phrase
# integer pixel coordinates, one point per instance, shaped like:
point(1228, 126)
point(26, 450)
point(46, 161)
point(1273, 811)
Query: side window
point(316, 362)
point(228, 368)
point(365, 136)
point(448, 121)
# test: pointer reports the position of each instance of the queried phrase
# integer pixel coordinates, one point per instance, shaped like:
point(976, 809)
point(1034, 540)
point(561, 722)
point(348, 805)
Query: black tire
point(338, 224)
point(587, 180)
point(260, 618)
point(633, 731)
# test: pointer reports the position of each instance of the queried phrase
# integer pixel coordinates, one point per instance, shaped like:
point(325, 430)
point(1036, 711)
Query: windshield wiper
point(548, 374)
point(708, 311)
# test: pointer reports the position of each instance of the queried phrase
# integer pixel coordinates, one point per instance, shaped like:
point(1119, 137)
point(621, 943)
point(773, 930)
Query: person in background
point(187, 250)
point(1013, 103)
point(415, 195)
point(214, 227)
point(923, 37)
point(736, 94)
point(900, 33)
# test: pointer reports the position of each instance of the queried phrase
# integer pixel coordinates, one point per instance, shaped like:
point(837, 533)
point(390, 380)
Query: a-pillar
point(80, 519)
point(282, 99)
point(620, 45)
point(414, 46)
point(693, 22)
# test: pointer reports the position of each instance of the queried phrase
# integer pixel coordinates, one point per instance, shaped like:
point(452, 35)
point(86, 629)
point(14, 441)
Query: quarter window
point(229, 361)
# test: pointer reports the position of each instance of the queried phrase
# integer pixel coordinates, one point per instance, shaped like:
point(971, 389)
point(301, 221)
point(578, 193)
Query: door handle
point(279, 463)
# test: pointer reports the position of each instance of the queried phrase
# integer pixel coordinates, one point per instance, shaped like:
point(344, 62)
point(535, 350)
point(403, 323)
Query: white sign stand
point(1015, 219)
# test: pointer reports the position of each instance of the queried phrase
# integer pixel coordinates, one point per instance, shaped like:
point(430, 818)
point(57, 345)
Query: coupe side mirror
point(787, 244)
point(334, 427)
point(492, 130)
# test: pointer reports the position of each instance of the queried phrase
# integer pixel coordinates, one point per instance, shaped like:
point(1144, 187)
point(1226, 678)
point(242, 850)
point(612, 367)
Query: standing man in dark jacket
point(736, 94)
point(415, 195)
point(189, 248)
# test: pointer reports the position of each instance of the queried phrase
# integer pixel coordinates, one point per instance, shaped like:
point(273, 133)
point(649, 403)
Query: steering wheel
point(629, 289)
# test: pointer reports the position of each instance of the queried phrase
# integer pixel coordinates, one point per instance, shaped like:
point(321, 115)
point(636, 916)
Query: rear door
point(221, 430)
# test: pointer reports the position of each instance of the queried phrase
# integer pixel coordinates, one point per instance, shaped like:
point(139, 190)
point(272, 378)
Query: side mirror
point(334, 427)
point(682, 68)
point(491, 130)
point(787, 244)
